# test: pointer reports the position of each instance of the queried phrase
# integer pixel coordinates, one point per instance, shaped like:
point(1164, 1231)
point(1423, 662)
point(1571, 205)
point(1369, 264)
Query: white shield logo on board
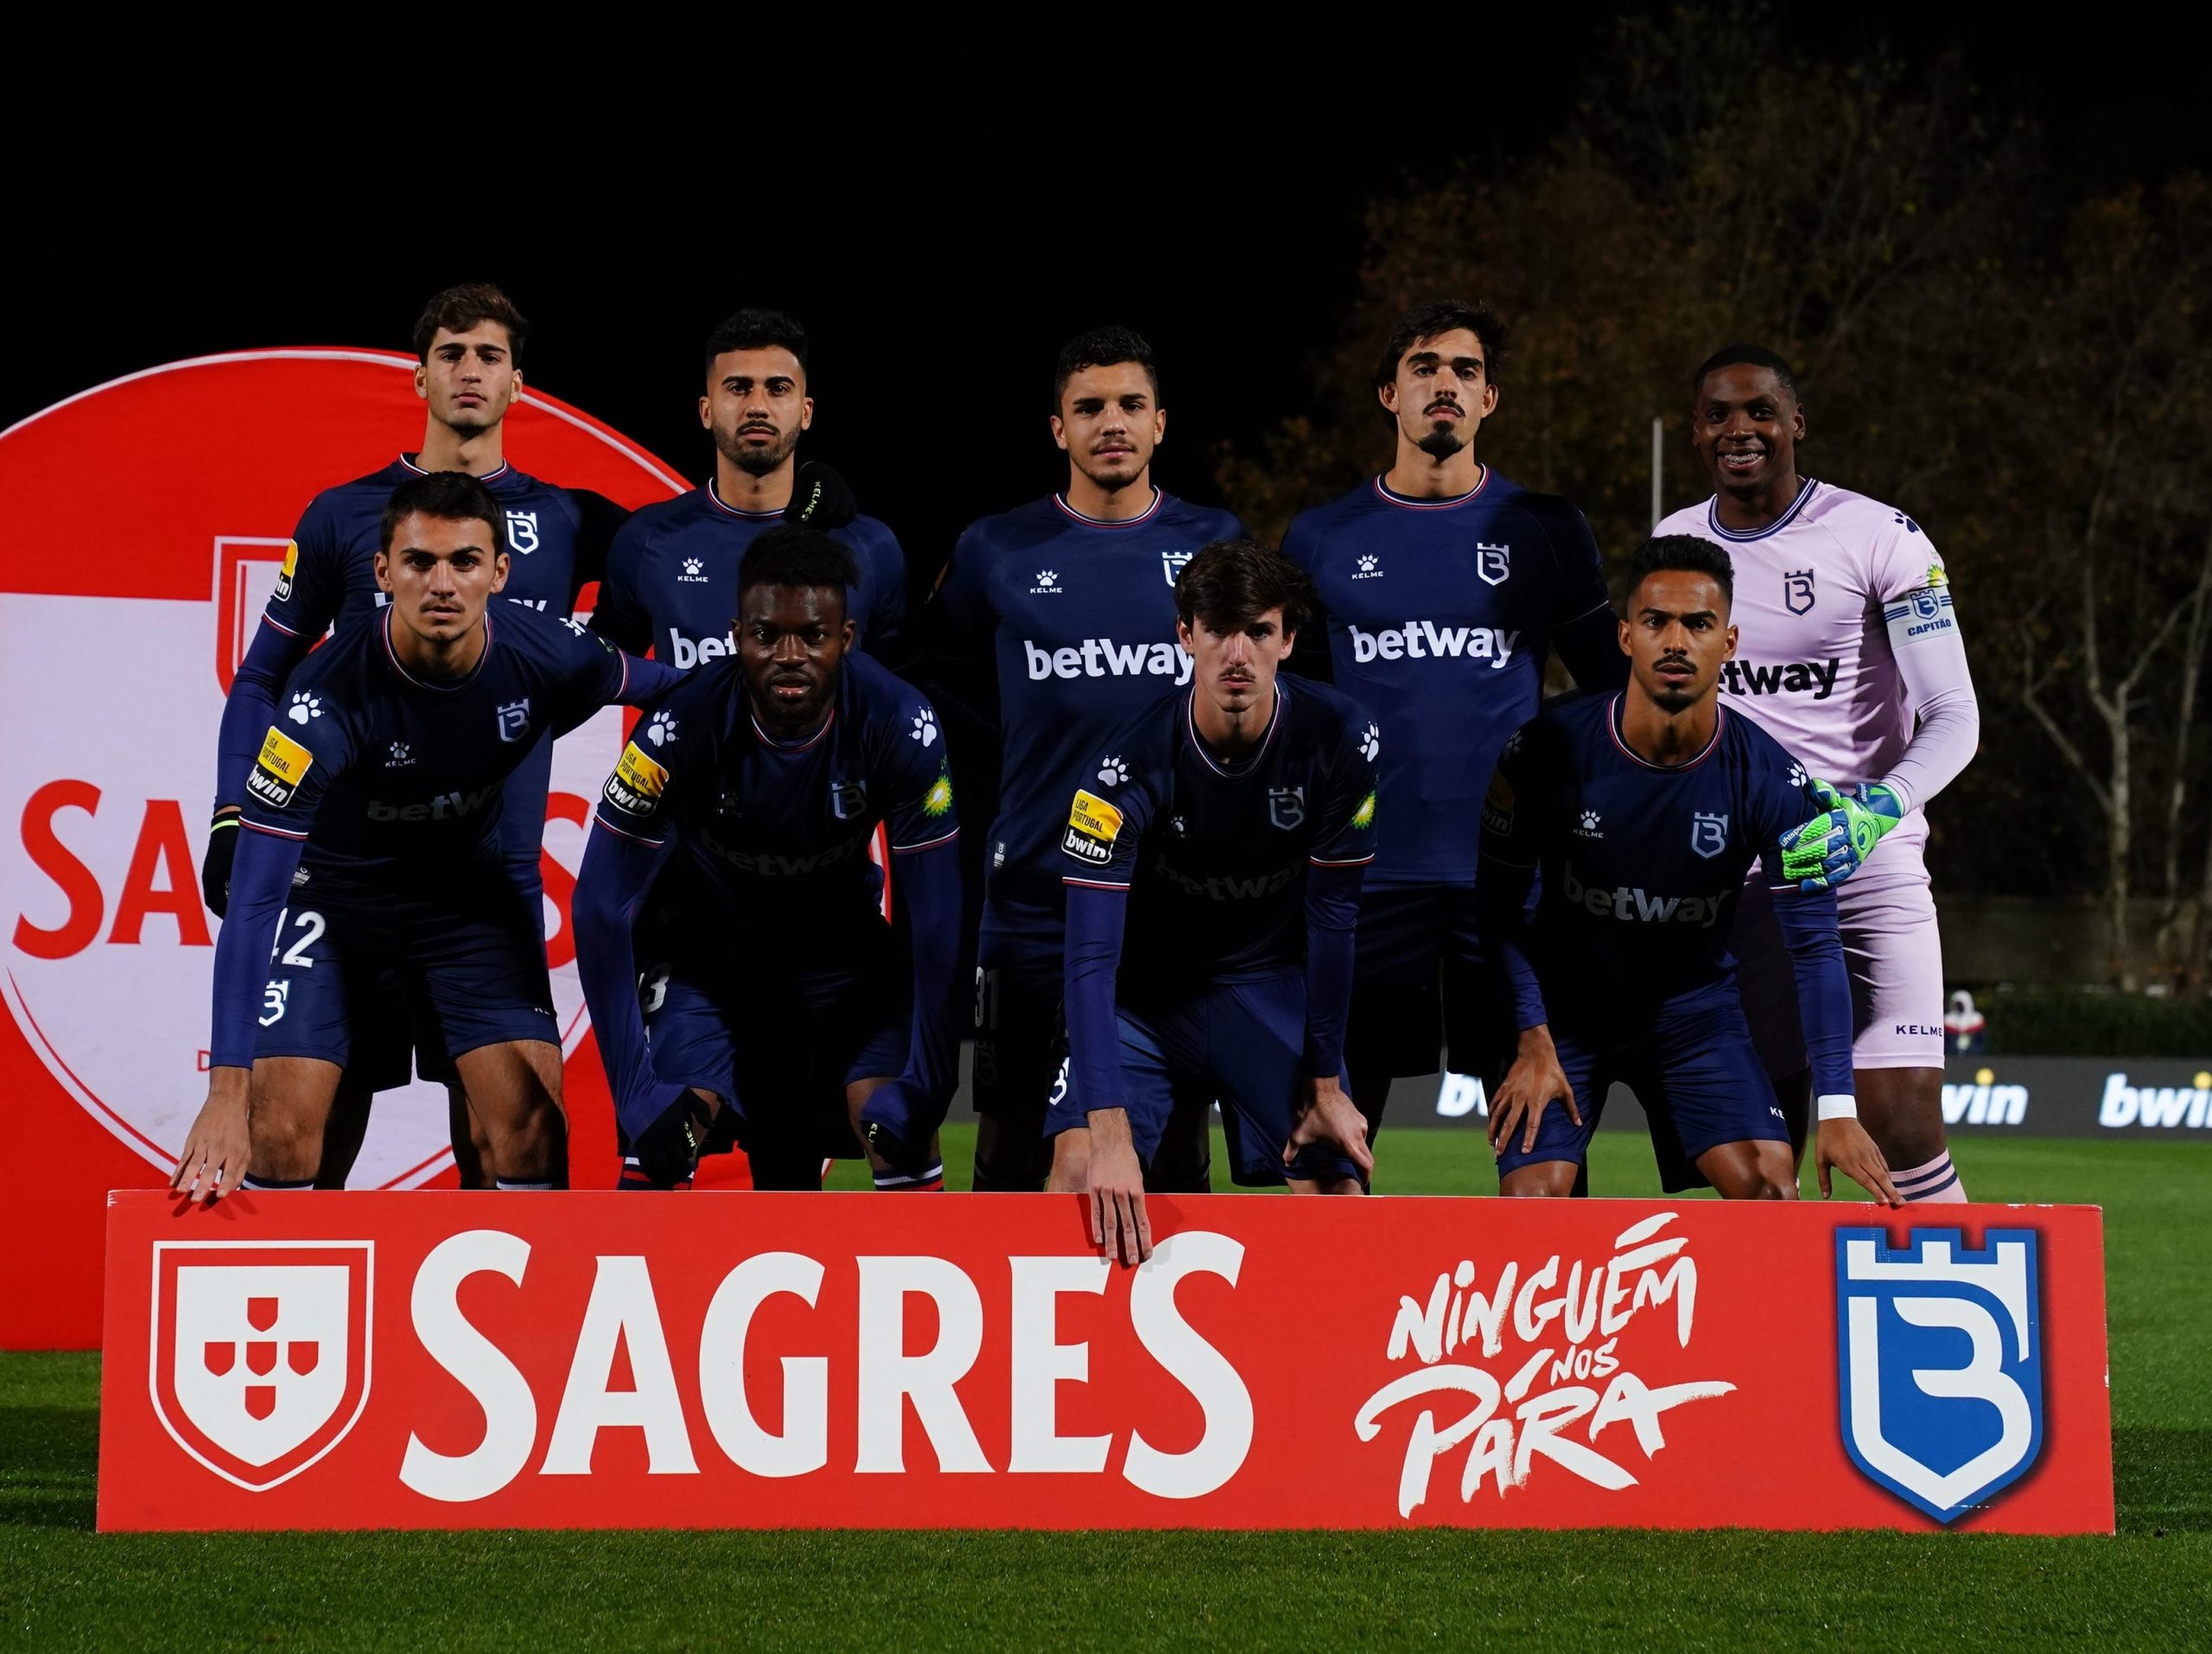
point(1708, 834)
point(1493, 562)
point(514, 719)
point(522, 531)
point(1285, 806)
point(1171, 563)
point(260, 1361)
point(1940, 1356)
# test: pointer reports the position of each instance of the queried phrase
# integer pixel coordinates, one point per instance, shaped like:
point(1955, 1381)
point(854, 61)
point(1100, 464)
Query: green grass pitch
point(64, 1587)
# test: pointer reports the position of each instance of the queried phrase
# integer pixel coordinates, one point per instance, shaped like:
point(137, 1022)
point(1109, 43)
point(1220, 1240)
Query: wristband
point(221, 822)
point(1838, 1105)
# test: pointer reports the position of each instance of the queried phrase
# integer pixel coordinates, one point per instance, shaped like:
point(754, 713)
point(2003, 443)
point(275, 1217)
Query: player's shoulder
point(1754, 746)
point(339, 663)
point(867, 531)
point(1205, 523)
point(1006, 531)
point(1322, 708)
point(873, 690)
point(661, 515)
point(1693, 520)
point(1364, 500)
point(1554, 515)
point(351, 498)
point(1575, 723)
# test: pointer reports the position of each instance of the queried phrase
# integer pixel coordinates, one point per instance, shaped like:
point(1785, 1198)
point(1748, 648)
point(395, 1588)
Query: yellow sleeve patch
point(636, 786)
point(285, 575)
point(1093, 825)
point(277, 772)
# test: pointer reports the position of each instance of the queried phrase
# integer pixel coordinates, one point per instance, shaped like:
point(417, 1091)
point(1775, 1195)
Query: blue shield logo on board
point(1939, 1356)
point(1797, 590)
point(1171, 563)
point(1926, 604)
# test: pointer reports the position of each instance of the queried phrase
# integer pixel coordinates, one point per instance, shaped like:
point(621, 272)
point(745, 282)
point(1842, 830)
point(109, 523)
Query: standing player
point(1853, 658)
point(1642, 809)
point(468, 342)
point(671, 572)
point(1444, 587)
point(738, 821)
point(378, 795)
point(1073, 596)
point(1213, 857)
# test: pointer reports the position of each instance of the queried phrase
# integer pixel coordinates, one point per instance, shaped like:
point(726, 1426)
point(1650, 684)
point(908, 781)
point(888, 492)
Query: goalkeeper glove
point(215, 866)
point(1828, 849)
point(820, 498)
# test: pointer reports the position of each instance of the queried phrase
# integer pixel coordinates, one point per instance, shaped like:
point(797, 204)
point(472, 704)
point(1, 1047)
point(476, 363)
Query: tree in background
point(1962, 340)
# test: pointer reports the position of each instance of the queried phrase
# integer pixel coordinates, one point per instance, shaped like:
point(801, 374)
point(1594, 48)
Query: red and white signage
point(147, 520)
point(594, 1359)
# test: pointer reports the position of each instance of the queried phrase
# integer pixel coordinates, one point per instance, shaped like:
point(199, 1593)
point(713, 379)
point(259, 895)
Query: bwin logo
point(1944, 1422)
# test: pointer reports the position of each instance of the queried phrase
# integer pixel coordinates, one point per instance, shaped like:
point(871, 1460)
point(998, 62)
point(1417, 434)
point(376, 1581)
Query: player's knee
point(1771, 1186)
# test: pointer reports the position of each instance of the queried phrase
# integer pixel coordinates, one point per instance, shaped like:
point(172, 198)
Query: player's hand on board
point(1534, 1080)
point(820, 498)
point(215, 865)
point(1327, 1116)
point(667, 1150)
point(218, 1148)
point(1843, 1143)
point(1114, 1181)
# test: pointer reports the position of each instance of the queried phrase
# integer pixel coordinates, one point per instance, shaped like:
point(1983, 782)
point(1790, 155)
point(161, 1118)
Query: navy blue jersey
point(556, 541)
point(1215, 858)
point(768, 830)
point(1639, 865)
point(671, 579)
point(1439, 615)
point(374, 766)
point(1080, 614)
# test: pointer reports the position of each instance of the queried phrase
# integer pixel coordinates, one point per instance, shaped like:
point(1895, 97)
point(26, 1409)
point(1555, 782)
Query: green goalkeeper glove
point(1828, 849)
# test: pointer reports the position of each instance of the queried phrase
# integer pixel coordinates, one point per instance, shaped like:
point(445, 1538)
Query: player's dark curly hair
point(450, 496)
point(1436, 318)
point(1682, 553)
point(799, 559)
point(458, 309)
point(1102, 348)
point(1230, 583)
point(1744, 356)
point(752, 329)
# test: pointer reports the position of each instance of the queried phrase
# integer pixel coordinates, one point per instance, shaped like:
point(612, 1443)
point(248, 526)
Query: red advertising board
point(592, 1359)
point(147, 520)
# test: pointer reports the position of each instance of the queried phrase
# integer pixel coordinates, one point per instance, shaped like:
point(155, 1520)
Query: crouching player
point(374, 807)
point(1642, 809)
point(1216, 852)
point(734, 837)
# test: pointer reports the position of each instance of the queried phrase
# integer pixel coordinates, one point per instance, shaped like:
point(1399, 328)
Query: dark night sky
point(938, 258)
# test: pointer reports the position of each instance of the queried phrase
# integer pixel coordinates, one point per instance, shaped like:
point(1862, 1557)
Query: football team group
point(1272, 828)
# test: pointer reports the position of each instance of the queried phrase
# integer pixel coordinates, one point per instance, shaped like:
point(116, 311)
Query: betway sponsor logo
point(1638, 908)
point(1426, 640)
point(1103, 658)
point(1226, 886)
point(2154, 1105)
point(773, 865)
point(1786, 677)
point(445, 807)
point(684, 654)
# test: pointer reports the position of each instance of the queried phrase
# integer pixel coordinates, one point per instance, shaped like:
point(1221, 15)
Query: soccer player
point(468, 342)
point(1853, 658)
point(777, 1012)
point(1642, 809)
point(1443, 586)
point(1072, 598)
point(377, 796)
point(1212, 858)
point(671, 572)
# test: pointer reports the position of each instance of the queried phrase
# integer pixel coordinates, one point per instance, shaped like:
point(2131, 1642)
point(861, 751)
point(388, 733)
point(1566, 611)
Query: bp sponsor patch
point(277, 773)
point(636, 784)
point(1093, 825)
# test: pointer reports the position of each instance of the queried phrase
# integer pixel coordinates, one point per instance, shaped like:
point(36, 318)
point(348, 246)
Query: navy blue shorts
point(1421, 991)
point(1240, 1043)
point(1694, 1068)
point(362, 972)
point(1021, 1038)
point(782, 1038)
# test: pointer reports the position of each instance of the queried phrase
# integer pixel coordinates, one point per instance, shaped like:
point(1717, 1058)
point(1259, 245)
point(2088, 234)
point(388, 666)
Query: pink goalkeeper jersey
point(1818, 592)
